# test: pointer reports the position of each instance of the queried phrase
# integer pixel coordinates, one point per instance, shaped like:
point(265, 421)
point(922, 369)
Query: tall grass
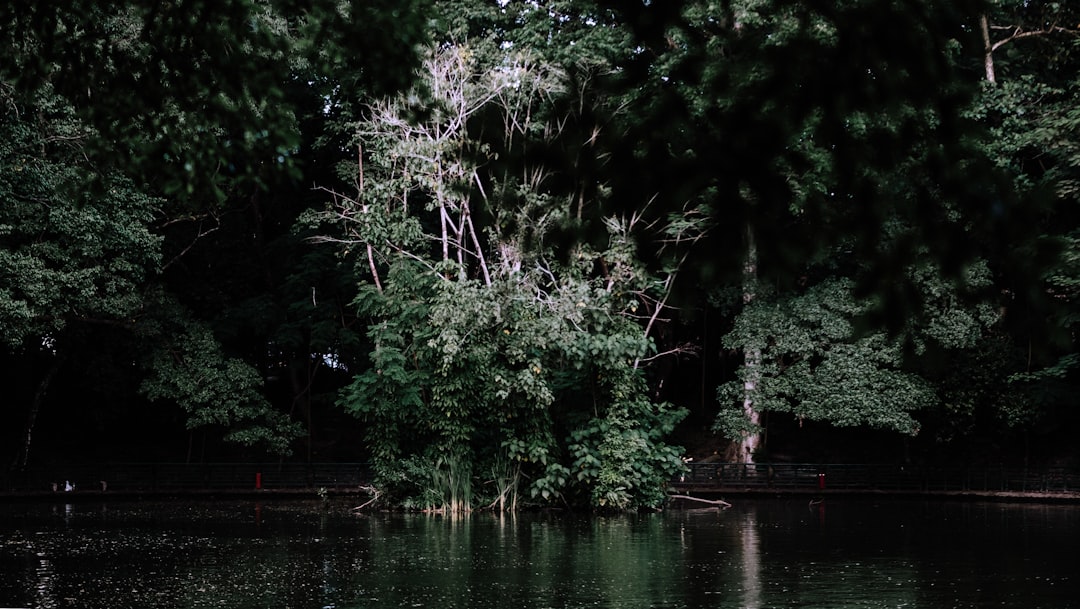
point(452, 482)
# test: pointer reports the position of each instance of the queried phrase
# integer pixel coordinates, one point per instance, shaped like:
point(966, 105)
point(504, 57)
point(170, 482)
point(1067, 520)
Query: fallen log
point(720, 503)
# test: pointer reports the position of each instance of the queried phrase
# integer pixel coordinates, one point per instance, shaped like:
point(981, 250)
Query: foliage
point(469, 378)
point(68, 252)
point(816, 365)
point(621, 459)
point(485, 347)
point(526, 213)
point(189, 368)
point(189, 96)
point(1030, 111)
point(791, 118)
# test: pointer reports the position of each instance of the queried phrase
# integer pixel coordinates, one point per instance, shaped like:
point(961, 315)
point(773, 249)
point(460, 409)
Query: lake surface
point(760, 553)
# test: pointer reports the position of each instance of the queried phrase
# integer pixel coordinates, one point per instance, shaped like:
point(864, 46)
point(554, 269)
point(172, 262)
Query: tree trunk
point(988, 49)
point(301, 395)
point(22, 459)
point(751, 359)
point(360, 197)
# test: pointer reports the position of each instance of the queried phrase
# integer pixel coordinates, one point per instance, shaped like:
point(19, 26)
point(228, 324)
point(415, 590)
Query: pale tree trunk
point(374, 269)
point(444, 222)
point(1015, 32)
point(359, 197)
point(751, 359)
point(988, 49)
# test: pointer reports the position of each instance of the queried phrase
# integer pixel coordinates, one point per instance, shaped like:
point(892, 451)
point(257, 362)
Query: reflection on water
point(778, 553)
point(751, 562)
point(43, 576)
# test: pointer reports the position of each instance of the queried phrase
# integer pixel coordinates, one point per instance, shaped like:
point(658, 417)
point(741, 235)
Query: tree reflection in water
point(751, 562)
point(771, 553)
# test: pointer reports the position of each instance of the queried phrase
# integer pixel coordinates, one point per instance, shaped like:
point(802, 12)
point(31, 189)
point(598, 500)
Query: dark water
point(774, 553)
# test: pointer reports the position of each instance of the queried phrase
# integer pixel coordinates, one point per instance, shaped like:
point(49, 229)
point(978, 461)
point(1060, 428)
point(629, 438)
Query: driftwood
point(371, 490)
point(720, 503)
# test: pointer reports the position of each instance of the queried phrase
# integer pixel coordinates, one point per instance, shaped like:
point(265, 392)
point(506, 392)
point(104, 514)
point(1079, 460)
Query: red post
point(821, 481)
point(258, 480)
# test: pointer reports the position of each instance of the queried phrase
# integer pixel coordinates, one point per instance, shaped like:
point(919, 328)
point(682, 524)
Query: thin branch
point(375, 494)
point(200, 234)
point(404, 252)
point(479, 251)
point(1019, 33)
point(683, 348)
point(337, 195)
point(49, 139)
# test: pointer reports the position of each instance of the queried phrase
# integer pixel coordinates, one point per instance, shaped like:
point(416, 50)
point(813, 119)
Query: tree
point(1020, 21)
point(1027, 104)
point(820, 362)
point(187, 367)
point(135, 128)
point(486, 347)
point(526, 230)
point(80, 254)
point(70, 254)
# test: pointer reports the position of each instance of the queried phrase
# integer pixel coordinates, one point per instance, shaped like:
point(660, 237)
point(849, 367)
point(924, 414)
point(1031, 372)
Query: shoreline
point(1059, 497)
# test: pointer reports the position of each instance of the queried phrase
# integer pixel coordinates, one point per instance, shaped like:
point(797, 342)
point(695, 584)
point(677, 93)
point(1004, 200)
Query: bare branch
point(479, 250)
point(720, 503)
point(659, 305)
point(683, 348)
point(199, 234)
point(1017, 32)
point(374, 270)
point(375, 494)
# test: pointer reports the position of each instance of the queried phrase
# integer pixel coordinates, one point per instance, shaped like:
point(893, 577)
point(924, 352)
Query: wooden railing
point(879, 477)
point(164, 477)
point(169, 477)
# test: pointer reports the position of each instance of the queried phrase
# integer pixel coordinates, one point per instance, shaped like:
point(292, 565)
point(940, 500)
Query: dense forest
point(530, 252)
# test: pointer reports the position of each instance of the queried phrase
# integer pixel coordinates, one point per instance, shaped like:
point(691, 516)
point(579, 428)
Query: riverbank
point(179, 495)
point(120, 481)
